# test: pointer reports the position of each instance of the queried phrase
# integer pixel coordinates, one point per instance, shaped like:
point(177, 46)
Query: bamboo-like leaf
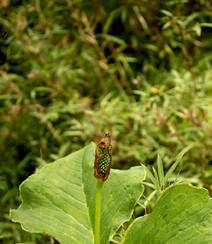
point(176, 163)
point(156, 179)
point(160, 170)
point(152, 178)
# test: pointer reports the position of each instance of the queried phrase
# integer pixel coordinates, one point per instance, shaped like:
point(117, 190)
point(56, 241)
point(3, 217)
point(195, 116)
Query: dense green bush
point(71, 70)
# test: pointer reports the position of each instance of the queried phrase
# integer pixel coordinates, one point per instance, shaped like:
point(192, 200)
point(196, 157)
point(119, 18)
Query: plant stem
point(99, 185)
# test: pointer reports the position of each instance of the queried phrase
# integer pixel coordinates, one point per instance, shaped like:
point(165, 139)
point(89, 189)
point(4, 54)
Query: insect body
point(103, 158)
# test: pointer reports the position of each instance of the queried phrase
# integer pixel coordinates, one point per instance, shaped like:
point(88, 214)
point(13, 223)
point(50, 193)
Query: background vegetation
point(71, 70)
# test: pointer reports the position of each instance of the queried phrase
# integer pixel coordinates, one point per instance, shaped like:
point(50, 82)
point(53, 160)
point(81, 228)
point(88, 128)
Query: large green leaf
point(182, 215)
point(59, 199)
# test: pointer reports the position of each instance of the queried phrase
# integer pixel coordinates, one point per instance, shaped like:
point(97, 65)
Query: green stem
point(97, 237)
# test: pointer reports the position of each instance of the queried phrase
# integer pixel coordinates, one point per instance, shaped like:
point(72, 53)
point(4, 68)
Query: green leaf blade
point(177, 162)
point(54, 202)
point(160, 170)
point(183, 214)
point(58, 199)
point(124, 188)
point(120, 193)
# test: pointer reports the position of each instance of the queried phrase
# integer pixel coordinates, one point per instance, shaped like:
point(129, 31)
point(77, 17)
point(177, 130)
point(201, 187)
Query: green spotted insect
point(103, 158)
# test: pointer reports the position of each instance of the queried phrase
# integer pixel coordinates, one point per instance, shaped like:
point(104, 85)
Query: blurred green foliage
point(71, 70)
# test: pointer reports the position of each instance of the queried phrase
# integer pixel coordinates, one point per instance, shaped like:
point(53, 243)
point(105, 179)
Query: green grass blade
point(151, 176)
point(160, 170)
point(156, 179)
point(176, 163)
